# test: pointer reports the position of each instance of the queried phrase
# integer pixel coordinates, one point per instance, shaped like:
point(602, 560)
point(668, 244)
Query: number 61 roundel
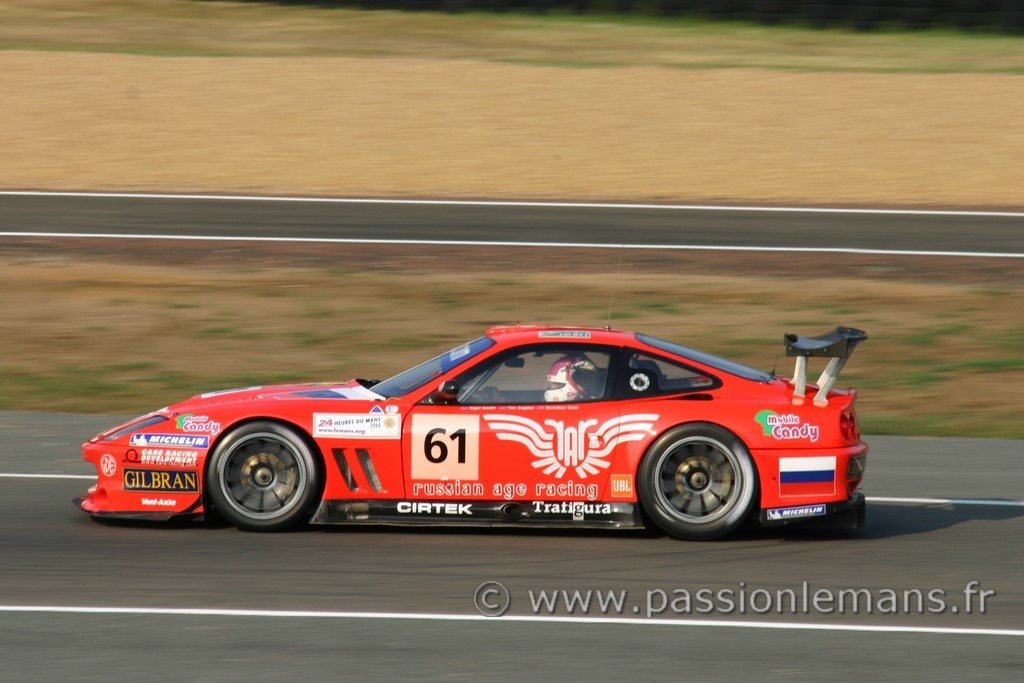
point(446, 447)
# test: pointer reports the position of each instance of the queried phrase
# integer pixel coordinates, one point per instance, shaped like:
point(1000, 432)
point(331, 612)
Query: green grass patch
point(986, 365)
point(655, 306)
point(939, 423)
point(938, 334)
point(114, 388)
point(1010, 340)
point(624, 314)
point(136, 366)
point(306, 338)
point(218, 331)
point(405, 342)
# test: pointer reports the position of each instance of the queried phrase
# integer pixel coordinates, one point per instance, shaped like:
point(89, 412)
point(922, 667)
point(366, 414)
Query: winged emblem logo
point(583, 448)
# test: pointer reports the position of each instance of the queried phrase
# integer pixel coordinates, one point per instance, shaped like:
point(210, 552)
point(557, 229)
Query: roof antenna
point(615, 282)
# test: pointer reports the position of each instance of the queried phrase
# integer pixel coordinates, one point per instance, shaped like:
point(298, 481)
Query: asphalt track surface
point(520, 223)
point(55, 556)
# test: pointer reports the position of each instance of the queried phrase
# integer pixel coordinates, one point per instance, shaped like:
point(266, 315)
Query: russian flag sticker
point(807, 476)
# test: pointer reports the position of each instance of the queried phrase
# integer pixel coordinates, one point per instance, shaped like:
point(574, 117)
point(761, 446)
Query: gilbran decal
point(160, 480)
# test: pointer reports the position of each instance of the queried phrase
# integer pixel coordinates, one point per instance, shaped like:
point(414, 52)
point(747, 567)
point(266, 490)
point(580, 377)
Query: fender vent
point(346, 471)
point(368, 468)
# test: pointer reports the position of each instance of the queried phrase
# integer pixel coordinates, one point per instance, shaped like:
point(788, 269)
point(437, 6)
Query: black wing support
point(838, 345)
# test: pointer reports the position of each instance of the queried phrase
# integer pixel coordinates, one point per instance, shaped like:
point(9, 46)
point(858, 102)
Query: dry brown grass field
point(255, 97)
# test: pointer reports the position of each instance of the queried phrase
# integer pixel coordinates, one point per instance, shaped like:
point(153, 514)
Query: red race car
point(525, 426)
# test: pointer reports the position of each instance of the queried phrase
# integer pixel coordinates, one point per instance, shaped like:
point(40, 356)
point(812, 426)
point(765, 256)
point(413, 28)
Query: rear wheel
point(697, 482)
point(262, 477)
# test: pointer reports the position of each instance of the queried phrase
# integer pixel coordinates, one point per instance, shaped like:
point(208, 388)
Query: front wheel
point(262, 477)
point(697, 482)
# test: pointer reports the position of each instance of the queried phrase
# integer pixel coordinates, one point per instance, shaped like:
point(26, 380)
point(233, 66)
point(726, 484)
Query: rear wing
point(837, 345)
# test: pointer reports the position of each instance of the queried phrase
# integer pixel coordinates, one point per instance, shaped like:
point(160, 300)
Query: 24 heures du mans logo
point(583, 447)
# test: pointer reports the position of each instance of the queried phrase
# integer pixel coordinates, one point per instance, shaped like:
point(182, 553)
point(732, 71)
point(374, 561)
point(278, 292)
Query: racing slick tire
point(697, 482)
point(262, 477)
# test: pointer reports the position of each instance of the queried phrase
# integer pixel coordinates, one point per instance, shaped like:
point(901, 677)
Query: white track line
point(547, 204)
point(496, 243)
point(533, 619)
point(870, 499)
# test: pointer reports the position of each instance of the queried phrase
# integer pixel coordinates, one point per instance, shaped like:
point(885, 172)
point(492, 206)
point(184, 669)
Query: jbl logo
point(622, 486)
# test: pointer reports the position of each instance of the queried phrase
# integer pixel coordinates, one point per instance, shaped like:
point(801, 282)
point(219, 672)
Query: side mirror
point(447, 391)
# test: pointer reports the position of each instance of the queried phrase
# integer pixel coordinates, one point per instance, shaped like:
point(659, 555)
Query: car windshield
point(413, 378)
point(710, 360)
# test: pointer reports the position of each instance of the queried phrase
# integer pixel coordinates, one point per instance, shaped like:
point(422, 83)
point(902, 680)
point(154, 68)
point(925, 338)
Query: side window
point(645, 375)
point(540, 374)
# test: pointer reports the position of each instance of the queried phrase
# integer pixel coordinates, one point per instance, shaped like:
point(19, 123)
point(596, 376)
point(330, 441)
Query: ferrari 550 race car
point(525, 426)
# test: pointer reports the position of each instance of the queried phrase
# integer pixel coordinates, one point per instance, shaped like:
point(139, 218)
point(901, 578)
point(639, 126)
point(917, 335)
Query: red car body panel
point(390, 449)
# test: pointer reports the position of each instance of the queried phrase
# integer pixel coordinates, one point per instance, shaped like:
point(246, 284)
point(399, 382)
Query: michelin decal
point(777, 514)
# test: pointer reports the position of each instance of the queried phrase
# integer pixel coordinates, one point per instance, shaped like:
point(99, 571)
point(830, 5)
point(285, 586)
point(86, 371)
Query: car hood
point(350, 390)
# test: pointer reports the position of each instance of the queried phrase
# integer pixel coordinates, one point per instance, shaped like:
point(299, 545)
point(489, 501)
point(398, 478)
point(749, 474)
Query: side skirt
point(563, 514)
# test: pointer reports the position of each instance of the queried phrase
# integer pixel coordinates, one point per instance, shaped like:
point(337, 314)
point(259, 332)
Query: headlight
point(134, 426)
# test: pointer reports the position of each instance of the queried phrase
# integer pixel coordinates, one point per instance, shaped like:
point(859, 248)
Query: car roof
point(523, 334)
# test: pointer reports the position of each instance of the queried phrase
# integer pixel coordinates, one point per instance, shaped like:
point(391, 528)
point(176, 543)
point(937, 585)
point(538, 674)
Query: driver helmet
point(564, 379)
